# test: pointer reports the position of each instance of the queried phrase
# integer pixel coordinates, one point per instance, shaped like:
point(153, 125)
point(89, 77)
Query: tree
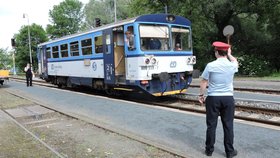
point(5, 59)
point(256, 24)
point(37, 35)
point(66, 18)
point(268, 24)
point(104, 9)
point(140, 7)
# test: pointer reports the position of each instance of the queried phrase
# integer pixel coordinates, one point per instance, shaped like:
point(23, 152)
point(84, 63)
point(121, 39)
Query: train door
point(40, 59)
point(108, 49)
point(42, 63)
point(119, 55)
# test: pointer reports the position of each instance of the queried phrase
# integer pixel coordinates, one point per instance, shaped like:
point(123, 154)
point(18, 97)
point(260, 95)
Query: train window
point(98, 44)
point(48, 52)
point(86, 46)
point(108, 43)
point(74, 48)
point(154, 37)
point(181, 38)
point(64, 50)
point(55, 52)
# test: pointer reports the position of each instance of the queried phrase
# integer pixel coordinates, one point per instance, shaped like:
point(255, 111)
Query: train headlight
point(189, 60)
point(153, 61)
point(147, 61)
point(170, 18)
point(193, 60)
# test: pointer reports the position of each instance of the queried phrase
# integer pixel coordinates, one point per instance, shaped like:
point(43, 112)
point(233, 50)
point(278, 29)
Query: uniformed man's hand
point(229, 51)
point(201, 99)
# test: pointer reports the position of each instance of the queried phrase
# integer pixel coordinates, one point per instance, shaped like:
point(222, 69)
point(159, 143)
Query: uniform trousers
point(223, 106)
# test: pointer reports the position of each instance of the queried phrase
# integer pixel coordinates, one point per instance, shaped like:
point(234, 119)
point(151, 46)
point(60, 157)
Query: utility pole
point(165, 8)
point(30, 54)
point(115, 7)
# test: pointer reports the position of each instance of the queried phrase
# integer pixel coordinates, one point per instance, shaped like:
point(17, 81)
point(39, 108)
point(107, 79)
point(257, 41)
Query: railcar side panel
point(78, 68)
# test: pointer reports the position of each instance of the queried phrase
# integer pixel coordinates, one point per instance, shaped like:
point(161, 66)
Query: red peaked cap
point(220, 46)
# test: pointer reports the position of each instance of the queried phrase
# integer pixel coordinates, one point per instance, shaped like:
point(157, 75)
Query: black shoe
point(208, 153)
point(232, 154)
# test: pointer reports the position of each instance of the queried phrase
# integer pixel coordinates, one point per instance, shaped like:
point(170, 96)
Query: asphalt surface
point(183, 132)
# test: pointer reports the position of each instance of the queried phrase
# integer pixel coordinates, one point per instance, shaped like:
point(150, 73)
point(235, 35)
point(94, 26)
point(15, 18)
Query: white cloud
point(11, 16)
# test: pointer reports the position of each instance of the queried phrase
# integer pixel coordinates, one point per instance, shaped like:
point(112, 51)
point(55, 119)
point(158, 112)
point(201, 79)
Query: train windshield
point(181, 39)
point(154, 37)
point(157, 37)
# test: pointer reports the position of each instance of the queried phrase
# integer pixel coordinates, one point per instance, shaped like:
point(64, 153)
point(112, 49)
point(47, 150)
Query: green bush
point(251, 65)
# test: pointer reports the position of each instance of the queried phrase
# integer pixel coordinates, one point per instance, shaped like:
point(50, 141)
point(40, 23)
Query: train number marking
point(173, 64)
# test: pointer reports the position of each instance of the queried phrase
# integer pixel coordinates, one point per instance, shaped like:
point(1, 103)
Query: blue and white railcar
point(156, 58)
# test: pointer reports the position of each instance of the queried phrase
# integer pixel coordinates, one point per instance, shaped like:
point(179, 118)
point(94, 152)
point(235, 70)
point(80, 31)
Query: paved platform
point(181, 131)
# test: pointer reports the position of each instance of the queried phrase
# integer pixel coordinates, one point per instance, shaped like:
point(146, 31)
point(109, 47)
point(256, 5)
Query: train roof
point(162, 18)
point(159, 18)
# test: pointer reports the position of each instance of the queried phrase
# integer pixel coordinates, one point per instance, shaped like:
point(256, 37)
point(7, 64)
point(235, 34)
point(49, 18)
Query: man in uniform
point(129, 40)
point(218, 75)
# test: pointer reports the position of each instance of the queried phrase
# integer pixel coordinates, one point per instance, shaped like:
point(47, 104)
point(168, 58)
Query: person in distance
point(28, 74)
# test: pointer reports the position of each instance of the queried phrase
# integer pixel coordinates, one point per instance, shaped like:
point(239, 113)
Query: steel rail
point(266, 91)
point(244, 108)
point(274, 112)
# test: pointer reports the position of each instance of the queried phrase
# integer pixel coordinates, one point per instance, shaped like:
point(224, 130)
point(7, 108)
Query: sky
point(11, 16)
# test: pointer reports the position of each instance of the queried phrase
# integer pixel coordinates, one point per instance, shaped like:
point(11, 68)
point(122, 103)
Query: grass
point(17, 143)
point(8, 101)
point(276, 74)
point(273, 77)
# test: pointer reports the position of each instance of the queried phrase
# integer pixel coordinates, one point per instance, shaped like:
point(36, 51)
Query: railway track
point(255, 90)
point(243, 111)
point(247, 112)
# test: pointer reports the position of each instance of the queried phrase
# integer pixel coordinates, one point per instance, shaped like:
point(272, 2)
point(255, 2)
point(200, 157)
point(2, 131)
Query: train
point(150, 54)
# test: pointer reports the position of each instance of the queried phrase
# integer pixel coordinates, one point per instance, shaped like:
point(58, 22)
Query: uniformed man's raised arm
point(230, 57)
